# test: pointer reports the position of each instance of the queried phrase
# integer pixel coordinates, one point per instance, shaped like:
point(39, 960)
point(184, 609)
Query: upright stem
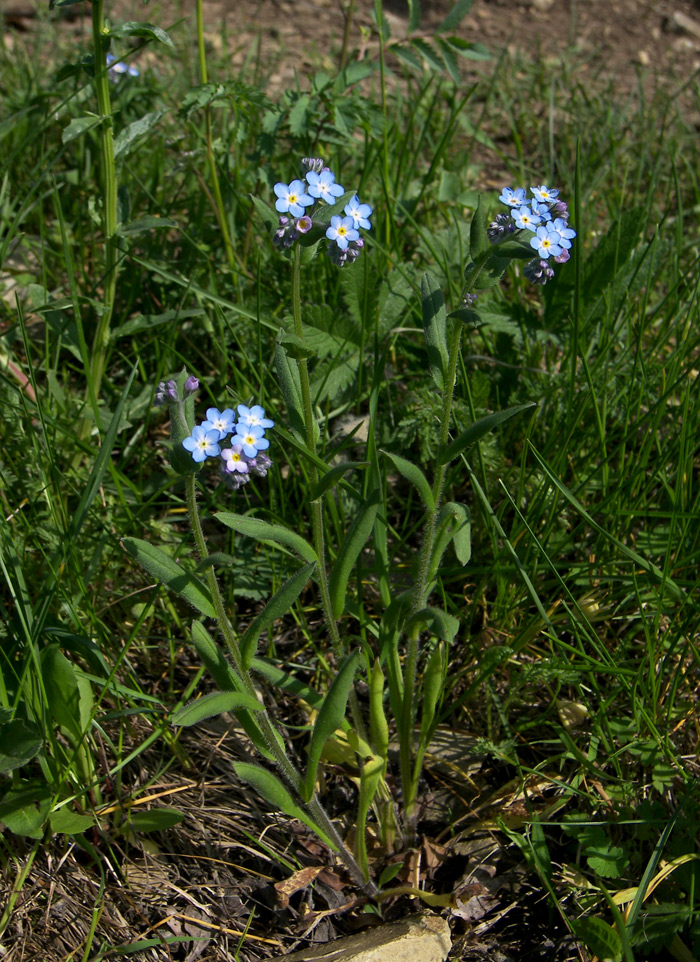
point(409, 781)
point(263, 720)
point(339, 647)
point(216, 189)
point(109, 192)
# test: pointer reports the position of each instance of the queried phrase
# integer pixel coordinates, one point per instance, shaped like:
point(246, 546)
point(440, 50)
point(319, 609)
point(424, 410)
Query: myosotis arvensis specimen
point(407, 668)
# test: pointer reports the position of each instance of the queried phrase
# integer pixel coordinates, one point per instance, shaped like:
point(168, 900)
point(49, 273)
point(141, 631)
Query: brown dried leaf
point(295, 883)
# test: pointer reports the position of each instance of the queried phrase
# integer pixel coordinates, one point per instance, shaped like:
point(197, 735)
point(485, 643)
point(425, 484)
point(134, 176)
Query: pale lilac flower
point(234, 459)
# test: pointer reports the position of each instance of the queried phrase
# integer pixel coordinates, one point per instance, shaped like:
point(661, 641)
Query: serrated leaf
point(266, 532)
point(138, 128)
point(600, 938)
point(478, 430)
point(408, 56)
point(450, 59)
point(413, 15)
point(162, 567)
point(154, 820)
point(79, 126)
point(413, 473)
point(455, 16)
point(297, 119)
point(295, 346)
point(19, 743)
point(269, 787)
point(216, 703)
point(330, 717)
point(276, 607)
point(333, 476)
point(431, 56)
point(352, 545)
point(147, 31)
point(435, 328)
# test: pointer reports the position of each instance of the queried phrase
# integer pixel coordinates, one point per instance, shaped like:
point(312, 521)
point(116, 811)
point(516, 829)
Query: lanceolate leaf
point(159, 565)
point(277, 606)
point(435, 327)
point(214, 704)
point(214, 659)
point(330, 717)
point(413, 474)
point(477, 431)
point(269, 787)
point(350, 549)
point(266, 532)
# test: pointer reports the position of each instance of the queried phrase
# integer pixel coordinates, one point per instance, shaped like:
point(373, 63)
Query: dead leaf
point(295, 883)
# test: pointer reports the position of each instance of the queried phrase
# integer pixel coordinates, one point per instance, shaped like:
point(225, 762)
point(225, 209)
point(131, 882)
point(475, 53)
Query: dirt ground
point(660, 38)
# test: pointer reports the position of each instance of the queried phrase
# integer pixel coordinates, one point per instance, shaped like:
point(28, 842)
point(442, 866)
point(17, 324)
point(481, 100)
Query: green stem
point(263, 720)
point(215, 187)
point(340, 648)
point(409, 780)
point(109, 190)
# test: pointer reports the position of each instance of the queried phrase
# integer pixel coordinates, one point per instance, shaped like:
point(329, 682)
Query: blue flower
point(291, 197)
point(323, 185)
point(220, 421)
point(546, 242)
point(525, 218)
point(513, 198)
point(544, 194)
point(253, 417)
point(565, 232)
point(234, 460)
point(360, 213)
point(342, 231)
point(542, 210)
point(252, 439)
point(202, 444)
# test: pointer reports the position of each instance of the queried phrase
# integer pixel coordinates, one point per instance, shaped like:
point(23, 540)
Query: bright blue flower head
point(253, 417)
point(221, 421)
point(565, 232)
point(525, 218)
point(547, 242)
point(292, 197)
point(202, 444)
point(323, 185)
point(252, 439)
point(360, 213)
point(342, 231)
point(513, 198)
point(544, 194)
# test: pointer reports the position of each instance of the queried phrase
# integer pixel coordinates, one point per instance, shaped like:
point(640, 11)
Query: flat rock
point(419, 938)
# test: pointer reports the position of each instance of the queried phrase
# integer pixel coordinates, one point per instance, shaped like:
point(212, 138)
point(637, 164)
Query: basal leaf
point(19, 743)
point(155, 819)
point(329, 718)
point(277, 796)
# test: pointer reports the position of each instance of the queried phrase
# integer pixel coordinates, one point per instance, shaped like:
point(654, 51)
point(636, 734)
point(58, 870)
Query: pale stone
point(419, 938)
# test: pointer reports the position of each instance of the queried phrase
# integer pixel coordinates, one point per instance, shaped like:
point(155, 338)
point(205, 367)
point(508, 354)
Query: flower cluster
point(117, 68)
point(295, 203)
point(546, 217)
point(246, 439)
point(167, 393)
